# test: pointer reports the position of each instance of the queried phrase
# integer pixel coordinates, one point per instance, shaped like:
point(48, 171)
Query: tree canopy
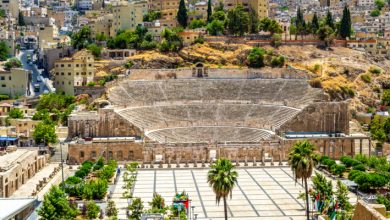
point(182, 15)
point(256, 57)
point(12, 63)
point(237, 21)
point(4, 51)
point(82, 38)
point(345, 24)
point(270, 25)
point(55, 205)
point(209, 11)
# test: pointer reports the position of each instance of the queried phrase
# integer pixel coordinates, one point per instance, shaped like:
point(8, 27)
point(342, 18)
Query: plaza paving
point(262, 192)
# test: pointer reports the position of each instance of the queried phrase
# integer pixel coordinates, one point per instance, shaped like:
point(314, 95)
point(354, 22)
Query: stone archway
point(200, 70)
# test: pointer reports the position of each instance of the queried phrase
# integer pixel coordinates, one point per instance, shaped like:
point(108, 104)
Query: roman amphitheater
point(194, 118)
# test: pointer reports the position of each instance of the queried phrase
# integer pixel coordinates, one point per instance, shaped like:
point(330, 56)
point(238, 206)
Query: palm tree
point(302, 160)
point(222, 177)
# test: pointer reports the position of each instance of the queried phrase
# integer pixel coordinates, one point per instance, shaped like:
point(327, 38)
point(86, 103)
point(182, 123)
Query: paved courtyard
point(262, 193)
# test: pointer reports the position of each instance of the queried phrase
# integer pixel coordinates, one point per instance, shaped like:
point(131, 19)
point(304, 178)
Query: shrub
point(353, 174)
point(12, 63)
point(91, 84)
point(93, 210)
point(4, 97)
point(360, 167)
point(366, 78)
point(277, 61)
point(256, 57)
point(315, 83)
point(361, 158)
point(323, 158)
point(199, 40)
point(374, 70)
point(129, 64)
point(375, 13)
point(95, 189)
point(383, 200)
point(329, 163)
point(338, 169)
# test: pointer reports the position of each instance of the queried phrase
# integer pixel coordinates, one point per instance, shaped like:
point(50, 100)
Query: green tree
point(21, 19)
point(152, 16)
point(82, 38)
point(215, 27)
point(2, 13)
point(375, 13)
point(53, 101)
point(253, 21)
point(256, 57)
point(171, 41)
point(345, 24)
point(325, 33)
point(136, 209)
point(4, 51)
point(182, 15)
point(237, 21)
point(12, 63)
point(209, 11)
point(93, 210)
point(95, 50)
point(157, 202)
point(270, 25)
point(315, 24)
point(379, 4)
point(219, 15)
point(45, 134)
point(197, 23)
point(222, 178)
point(111, 210)
point(300, 22)
point(329, 20)
point(55, 205)
point(302, 161)
point(219, 7)
point(15, 113)
point(95, 189)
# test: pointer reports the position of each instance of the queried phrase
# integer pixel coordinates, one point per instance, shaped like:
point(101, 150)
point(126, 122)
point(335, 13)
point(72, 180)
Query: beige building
point(127, 16)
point(75, 71)
point(260, 6)
point(16, 167)
point(15, 82)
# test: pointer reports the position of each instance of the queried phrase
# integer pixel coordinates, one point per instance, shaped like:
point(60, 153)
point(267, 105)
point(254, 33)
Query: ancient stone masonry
point(200, 118)
point(329, 117)
point(104, 123)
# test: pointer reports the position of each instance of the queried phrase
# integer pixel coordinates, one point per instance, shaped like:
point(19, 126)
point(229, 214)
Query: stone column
point(333, 149)
point(352, 151)
point(361, 146)
point(280, 156)
point(369, 146)
point(342, 147)
point(324, 149)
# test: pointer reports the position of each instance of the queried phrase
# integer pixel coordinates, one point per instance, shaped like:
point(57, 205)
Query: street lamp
point(62, 165)
point(192, 207)
point(178, 209)
point(196, 216)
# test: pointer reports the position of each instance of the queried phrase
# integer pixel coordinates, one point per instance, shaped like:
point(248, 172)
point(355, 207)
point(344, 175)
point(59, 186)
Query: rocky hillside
point(343, 73)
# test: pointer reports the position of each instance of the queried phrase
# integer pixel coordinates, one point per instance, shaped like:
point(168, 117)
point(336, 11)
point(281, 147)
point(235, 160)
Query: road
point(22, 56)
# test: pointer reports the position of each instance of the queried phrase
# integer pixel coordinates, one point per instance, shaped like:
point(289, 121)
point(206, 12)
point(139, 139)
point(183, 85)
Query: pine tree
point(182, 15)
point(329, 20)
point(21, 19)
point(209, 11)
point(300, 22)
point(345, 24)
point(314, 24)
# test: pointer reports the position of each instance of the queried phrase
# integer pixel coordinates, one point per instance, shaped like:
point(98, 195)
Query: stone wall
point(172, 153)
point(118, 150)
point(93, 91)
point(326, 117)
point(364, 211)
point(104, 123)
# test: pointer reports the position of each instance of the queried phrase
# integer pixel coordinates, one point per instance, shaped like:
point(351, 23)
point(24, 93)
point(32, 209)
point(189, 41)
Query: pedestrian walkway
point(120, 202)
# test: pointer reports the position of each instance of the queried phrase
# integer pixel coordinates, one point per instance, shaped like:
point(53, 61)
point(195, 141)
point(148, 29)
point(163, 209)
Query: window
point(62, 82)
point(77, 73)
point(110, 154)
point(2, 78)
point(57, 73)
point(81, 154)
point(62, 65)
point(62, 74)
point(9, 77)
point(131, 155)
point(69, 65)
point(89, 64)
point(119, 155)
point(93, 154)
point(77, 65)
point(90, 73)
point(69, 74)
point(3, 85)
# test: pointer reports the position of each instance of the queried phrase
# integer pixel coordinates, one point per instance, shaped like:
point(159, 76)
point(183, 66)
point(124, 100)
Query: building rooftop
point(8, 160)
point(12, 207)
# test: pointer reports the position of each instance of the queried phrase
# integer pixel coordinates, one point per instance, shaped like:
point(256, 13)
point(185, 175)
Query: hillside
point(343, 73)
